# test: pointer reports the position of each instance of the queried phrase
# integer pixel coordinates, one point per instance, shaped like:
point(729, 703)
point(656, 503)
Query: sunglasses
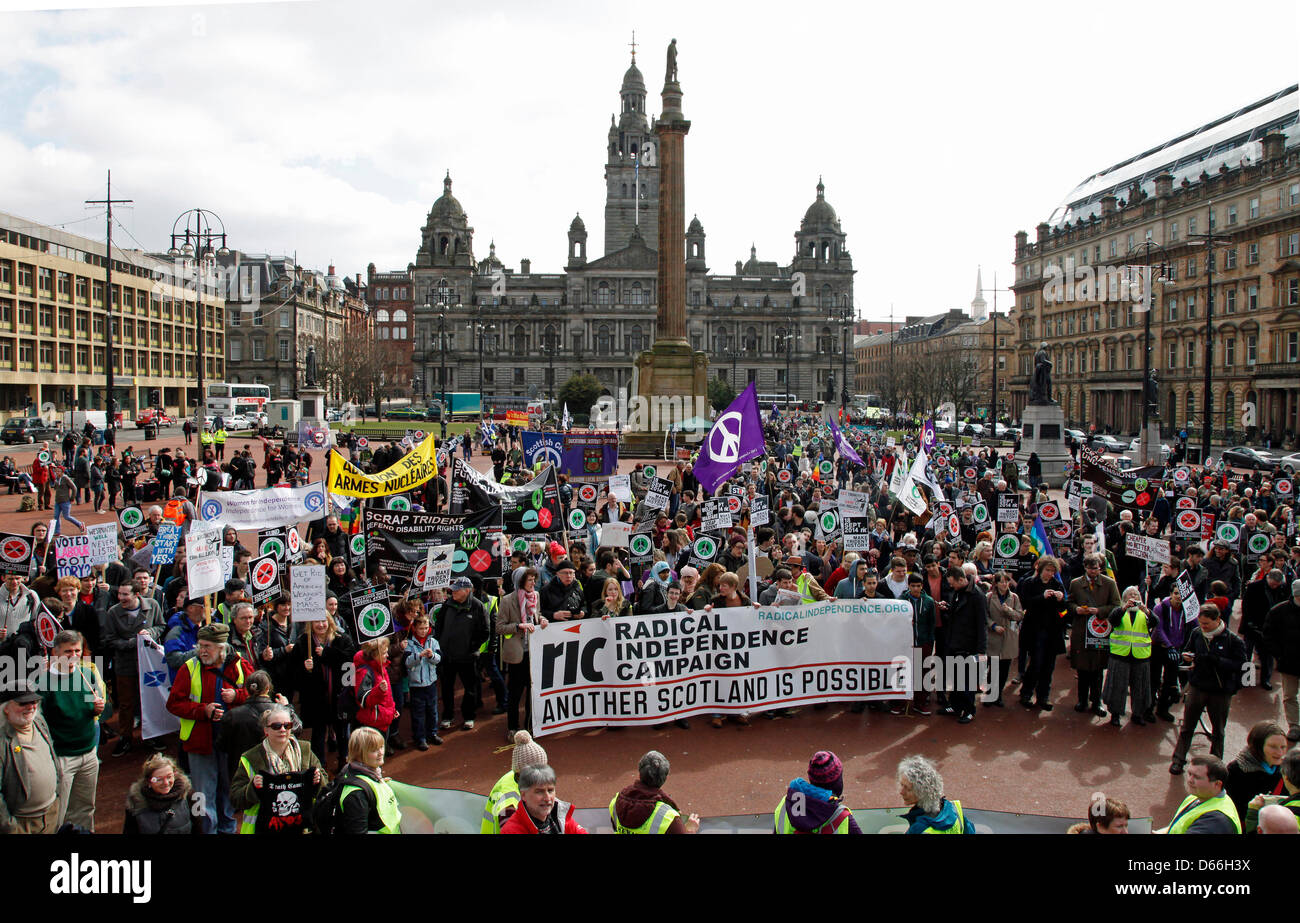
point(281, 725)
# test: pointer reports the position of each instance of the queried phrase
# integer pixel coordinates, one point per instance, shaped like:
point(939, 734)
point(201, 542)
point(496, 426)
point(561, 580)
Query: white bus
point(227, 399)
point(783, 402)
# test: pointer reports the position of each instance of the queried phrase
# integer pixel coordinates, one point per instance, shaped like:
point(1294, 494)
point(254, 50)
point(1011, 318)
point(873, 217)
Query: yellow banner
point(413, 470)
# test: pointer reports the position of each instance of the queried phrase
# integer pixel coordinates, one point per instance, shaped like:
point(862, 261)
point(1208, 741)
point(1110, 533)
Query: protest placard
point(307, 592)
point(72, 555)
point(1147, 548)
point(165, 544)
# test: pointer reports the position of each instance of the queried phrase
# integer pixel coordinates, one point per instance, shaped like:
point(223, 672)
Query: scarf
point(290, 762)
point(1210, 635)
point(527, 605)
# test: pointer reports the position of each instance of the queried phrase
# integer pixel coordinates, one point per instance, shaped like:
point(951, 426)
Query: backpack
point(327, 809)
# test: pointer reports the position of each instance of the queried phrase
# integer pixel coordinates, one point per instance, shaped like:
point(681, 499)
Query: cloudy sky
point(325, 128)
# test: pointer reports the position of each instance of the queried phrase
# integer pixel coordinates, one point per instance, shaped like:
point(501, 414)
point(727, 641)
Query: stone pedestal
point(669, 376)
point(313, 404)
point(1044, 434)
point(1148, 451)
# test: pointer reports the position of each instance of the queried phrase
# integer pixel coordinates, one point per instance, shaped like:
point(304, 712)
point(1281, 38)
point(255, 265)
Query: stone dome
point(695, 227)
point(576, 224)
point(446, 208)
point(820, 215)
point(633, 82)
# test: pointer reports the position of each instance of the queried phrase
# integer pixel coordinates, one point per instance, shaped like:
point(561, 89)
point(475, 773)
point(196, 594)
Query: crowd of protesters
point(248, 683)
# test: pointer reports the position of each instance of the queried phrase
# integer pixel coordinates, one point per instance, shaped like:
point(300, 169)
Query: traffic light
point(155, 398)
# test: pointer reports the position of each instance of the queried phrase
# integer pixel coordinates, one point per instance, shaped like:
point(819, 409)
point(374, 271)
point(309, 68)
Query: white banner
point(307, 592)
point(647, 669)
point(620, 485)
point(853, 502)
point(437, 567)
point(103, 542)
point(1147, 548)
point(203, 560)
point(155, 686)
point(265, 508)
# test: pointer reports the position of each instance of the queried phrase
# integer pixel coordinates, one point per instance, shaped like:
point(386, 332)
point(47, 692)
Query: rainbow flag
point(1038, 538)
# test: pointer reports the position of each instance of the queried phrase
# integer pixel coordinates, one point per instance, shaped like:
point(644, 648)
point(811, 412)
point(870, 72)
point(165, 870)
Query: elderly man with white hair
point(205, 686)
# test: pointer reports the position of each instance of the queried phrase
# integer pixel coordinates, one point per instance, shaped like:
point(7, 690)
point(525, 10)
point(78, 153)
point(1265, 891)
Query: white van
point(75, 420)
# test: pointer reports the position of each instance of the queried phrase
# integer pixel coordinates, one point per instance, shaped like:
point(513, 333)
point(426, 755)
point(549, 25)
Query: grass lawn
point(401, 426)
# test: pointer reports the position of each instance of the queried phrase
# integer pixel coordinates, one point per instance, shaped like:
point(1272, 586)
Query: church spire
point(978, 306)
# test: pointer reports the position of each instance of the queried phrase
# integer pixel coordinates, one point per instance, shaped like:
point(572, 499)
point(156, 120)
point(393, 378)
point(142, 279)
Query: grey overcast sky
point(325, 128)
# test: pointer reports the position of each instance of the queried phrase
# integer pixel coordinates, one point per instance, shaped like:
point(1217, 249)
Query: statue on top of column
point(671, 75)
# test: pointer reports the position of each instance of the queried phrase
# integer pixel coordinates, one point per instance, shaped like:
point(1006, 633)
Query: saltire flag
point(155, 687)
point(566, 421)
point(735, 438)
point(1038, 538)
point(843, 446)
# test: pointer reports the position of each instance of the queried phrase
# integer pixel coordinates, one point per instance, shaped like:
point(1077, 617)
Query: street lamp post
point(442, 346)
point(1148, 293)
point(845, 318)
point(1210, 239)
point(993, 393)
point(199, 242)
point(480, 328)
point(786, 342)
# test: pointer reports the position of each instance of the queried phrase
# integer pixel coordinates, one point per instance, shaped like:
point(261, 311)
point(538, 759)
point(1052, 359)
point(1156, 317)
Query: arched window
point(603, 293)
point(1172, 401)
point(519, 341)
point(827, 299)
point(636, 295)
point(635, 342)
point(444, 290)
point(625, 190)
point(381, 316)
point(722, 340)
point(399, 316)
point(1190, 406)
point(1229, 410)
point(826, 341)
point(603, 345)
point(812, 250)
point(751, 340)
point(442, 245)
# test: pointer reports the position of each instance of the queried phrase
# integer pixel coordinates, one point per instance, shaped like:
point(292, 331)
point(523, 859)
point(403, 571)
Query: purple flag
point(735, 438)
point(927, 437)
point(842, 444)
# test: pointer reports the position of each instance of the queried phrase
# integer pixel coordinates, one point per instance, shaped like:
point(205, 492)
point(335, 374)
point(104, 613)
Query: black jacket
point(1256, 602)
point(1217, 664)
point(461, 628)
point(967, 621)
point(1282, 635)
point(556, 597)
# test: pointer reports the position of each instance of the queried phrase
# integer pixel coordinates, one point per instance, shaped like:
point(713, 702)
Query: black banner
point(402, 537)
point(285, 801)
point(527, 509)
point(368, 614)
point(1135, 489)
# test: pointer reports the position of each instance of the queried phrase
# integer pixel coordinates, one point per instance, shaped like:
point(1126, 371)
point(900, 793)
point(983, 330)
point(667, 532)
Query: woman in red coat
point(375, 706)
point(542, 811)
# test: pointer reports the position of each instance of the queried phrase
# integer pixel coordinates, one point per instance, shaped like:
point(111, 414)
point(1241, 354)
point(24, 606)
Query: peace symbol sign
point(373, 620)
point(705, 547)
point(640, 544)
point(358, 544)
point(724, 438)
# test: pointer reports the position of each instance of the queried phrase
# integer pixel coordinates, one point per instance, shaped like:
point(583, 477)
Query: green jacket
point(14, 770)
point(242, 794)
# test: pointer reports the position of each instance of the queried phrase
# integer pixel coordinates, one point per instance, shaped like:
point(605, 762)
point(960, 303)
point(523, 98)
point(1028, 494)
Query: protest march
point(278, 644)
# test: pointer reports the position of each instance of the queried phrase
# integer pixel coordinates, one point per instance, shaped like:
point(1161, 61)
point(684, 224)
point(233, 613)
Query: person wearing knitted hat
point(205, 686)
point(921, 788)
point(503, 800)
point(815, 805)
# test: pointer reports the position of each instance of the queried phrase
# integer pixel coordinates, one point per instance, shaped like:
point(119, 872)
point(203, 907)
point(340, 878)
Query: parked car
point(333, 415)
point(29, 430)
point(1290, 463)
point(1136, 446)
point(237, 422)
point(1241, 456)
point(1077, 435)
point(405, 413)
point(1111, 444)
point(972, 429)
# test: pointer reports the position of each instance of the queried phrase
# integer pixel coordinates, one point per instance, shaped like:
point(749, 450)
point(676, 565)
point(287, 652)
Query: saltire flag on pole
point(566, 420)
point(155, 686)
point(1038, 538)
point(842, 444)
point(735, 438)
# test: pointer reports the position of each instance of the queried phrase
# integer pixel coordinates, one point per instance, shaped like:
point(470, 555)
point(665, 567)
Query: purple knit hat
point(826, 771)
